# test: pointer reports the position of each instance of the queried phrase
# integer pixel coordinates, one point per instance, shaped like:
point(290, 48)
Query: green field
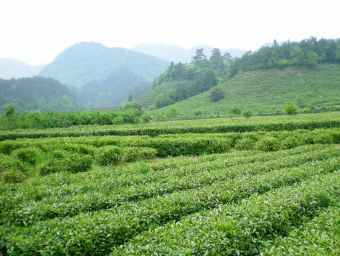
point(267, 92)
point(256, 186)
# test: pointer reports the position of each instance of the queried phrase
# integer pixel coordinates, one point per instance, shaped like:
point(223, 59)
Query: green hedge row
point(240, 229)
point(103, 196)
point(100, 232)
point(176, 129)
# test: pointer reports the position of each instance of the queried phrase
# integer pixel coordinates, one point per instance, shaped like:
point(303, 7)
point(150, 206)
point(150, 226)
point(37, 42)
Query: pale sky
point(35, 31)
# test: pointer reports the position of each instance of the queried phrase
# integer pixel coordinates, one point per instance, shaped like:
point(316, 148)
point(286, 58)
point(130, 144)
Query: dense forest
point(36, 93)
point(306, 53)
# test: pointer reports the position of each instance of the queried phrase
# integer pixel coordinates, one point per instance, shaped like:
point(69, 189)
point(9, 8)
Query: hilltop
point(88, 61)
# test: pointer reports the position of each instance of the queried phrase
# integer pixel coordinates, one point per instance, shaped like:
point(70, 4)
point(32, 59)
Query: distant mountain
point(112, 90)
point(35, 93)
point(86, 62)
point(10, 68)
point(178, 54)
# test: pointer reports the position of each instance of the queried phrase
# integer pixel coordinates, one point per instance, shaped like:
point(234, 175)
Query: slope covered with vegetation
point(268, 92)
point(36, 93)
point(181, 81)
point(115, 89)
point(85, 62)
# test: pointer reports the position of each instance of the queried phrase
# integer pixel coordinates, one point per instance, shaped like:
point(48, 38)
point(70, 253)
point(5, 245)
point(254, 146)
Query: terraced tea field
point(264, 186)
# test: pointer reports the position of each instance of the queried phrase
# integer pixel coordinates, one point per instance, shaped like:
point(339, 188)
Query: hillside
point(10, 68)
point(36, 93)
point(111, 91)
point(178, 54)
point(85, 62)
point(268, 91)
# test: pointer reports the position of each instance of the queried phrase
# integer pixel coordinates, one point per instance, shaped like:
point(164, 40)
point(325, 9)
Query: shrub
point(323, 138)
point(109, 155)
point(198, 113)
point(59, 154)
point(26, 155)
point(290, 142)
point(247, 114)
point(290, 109)
point(235, 111)
point(79, 148)
point(9, 109)
point(216, 94)
point(9, 163)
point(13, 176)
point(51, 166)
point(131, 154)
point(268, 144)
point(66, 163)
point(77, 163)
point(245, 144)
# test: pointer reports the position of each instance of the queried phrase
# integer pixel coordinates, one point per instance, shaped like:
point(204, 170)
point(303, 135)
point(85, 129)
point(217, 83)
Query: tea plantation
point(256, 186)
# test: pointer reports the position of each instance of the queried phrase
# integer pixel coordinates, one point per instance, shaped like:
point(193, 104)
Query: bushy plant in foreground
point(8, 163)
point(109, 155)
point(26, 155)
point(70, 163)
point(13, 176)
point(268, 144)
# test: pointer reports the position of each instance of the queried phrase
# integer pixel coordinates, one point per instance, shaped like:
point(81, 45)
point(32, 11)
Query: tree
point(216, 61)
point(199, 57)
point(9, 109)
point(290, 109)
point(236, 111)
point(216, 94)
point(247, 114)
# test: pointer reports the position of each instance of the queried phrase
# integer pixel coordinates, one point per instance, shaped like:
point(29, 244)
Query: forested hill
point(181, 81)
point(36, 93)
point(307, 53)
point(306, 58)
point(86, 62)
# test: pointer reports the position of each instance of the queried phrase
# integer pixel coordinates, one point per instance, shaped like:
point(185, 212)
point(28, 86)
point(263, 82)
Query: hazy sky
point(35, 31)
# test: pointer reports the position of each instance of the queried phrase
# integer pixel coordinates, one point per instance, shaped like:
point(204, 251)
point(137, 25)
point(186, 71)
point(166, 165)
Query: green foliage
point(216, 94)
point(250, 198)
point(131, 154)
point(26, 155)
point(267, 92)
point(109, 155)
point(235, 111)
point(307, 53)
point(290, 109)
point(113, 155)
point(34, 94)
point(12, 176)
point(181, 81)
point(63, 162)
point(9, 110)
point(268, 144)
point(130, 114)
point(247, 114)
point(8, 163)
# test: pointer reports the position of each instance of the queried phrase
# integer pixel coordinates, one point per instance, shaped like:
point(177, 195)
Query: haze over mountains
point(178, 54)
point(90, 75)
point(99, 76)
point(10, 68)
